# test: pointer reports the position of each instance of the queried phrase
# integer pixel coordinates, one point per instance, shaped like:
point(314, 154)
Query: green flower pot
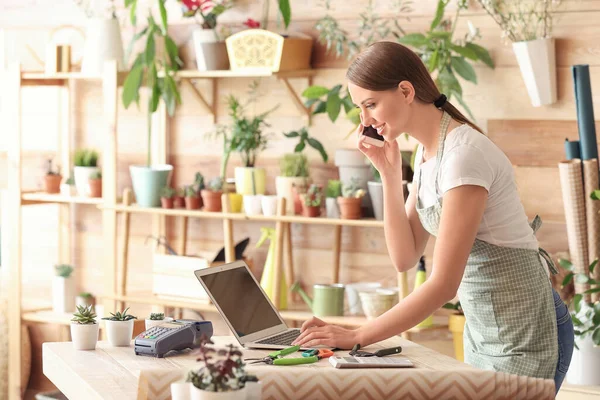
point(148, 181)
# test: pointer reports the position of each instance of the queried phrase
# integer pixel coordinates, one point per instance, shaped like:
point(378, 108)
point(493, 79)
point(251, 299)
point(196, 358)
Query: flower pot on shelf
point(52, 183)
point(212, 200)
point(68, 190)
point(311, 211)
point(103, 42)
point(250, 180)
point(178, 201)
point(537, 62)
point(199, 394)
point(148, 182)
point(332, 208)
point(119, 332)
point(284, 187)
point(269, 205)
point(95, 187)
point(166, 202)
point(211, 54)
point(350, 207)
point(149, 323)
point(82, 179)
point(236, 201)
point(352, 164)
point(63, 294)
point(456, 325)
point(252, 204)
point(192, 203)
point(376, 194)
point(85, 337)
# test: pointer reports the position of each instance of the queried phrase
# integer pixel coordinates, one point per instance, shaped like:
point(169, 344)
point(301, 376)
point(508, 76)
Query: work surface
point(117, 373)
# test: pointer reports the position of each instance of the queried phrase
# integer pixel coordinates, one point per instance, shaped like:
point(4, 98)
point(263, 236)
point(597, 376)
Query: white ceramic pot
point(376, 194)
point(181, 390)
point(585, 363)
point(283, 188)
point(537, 61)
point(378, 302)
point(68, 190)
point(211, 54)
point(119, 332)
point(63, 294)
point(269, 205)
point(352, 290)
point(82, 179)
point(252, 204)
point(353, 164)
point(197, 394)
point(103, 42)
point(332, 208)
point(151, 322)
point(84, 337)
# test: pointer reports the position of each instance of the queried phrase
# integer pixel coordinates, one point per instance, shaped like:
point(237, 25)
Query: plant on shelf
point(119, 328)
point(294, 165)
point(456, 325)
point(85, 158)
point(63, 270)
point(95, 182)
point(303, 139)
point(156, 319)
point(212, 195)
point(192, 201)
point(86, 164)
point(313, 200)
point(375, 188)
point(84, 328)
point(63, 289)
point(52, 179)
point(179, 198)
point(444, 56)
point(157, 316)
point(205, 12)
point(285, 12)
point(332, 192)
point(351, 200)
point(85, 299)
point(330, 101)
point(167, 195)
point(67, 188)
point(157, 74)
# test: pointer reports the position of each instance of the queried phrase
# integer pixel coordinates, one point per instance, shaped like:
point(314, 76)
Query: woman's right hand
point(387, 159)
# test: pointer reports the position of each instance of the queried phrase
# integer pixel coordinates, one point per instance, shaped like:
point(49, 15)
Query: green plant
point(352, 189)
point(304, 138)
point(522, 20)
point(157, 316)
point(334, 188)
point(96, 175)
point(50, 170)
point(215, 184)
point(85, 295)
point(314, 196)
point(63, 270)
point(84, 315)
point(120, 316)
point(199, 181)
point(330, 101)
point(85, 158)
point(294, 165)
point(285, 11)
point(167, 192)
point(376, 174)
point(444, 56)
point(454, 306)
point(156, 74)
point(190, 191)
point(70, 181)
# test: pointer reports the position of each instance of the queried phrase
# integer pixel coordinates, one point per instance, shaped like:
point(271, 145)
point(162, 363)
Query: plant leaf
point(566, 264)
point(335, 90)
point(150, 51)
point(567, 280)
point(173, 52)
point(348, 104)
point(314, 92)
point(593, 266)
point(315, 144)
point(596, 336)
point(163, 16)
point(286, 12)
point(413, 39)
point(577, 302)
point(464, 69)
point(595, 195)
point(320, 108)
point(594, 290)
point(482, 54)
point(308, 103)
point(465, 52)
point(292, 134)
point(576, 321)
point(439, 14)
point(132, 85)
point(133, 12)
point(334, 104)
point(300, 146)
point(354, 116)
point(432, 63)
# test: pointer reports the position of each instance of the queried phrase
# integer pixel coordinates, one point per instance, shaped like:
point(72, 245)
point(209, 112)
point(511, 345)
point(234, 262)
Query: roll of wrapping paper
point(572, 149)
point(585, 111)
point(571, 182)
point(592, 207)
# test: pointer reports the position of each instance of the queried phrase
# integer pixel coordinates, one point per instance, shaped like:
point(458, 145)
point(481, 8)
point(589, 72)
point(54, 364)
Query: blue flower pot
point(148, 182)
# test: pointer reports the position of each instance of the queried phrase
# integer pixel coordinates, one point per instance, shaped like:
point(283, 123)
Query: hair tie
point(439, 103)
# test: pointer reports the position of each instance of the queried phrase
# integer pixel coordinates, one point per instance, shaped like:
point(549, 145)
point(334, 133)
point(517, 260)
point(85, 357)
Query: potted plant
point(166, 197)
point(529, 27)
point(85, 299)
point(211, 51)
point(456, 325)
point(222, 375)
point(119, 328)
point(52, 179)
point(192, 201)
point(351, 200)
point(376, 193)
point(95, 183)
point(312, 201)
point(156, 319)
point(333, 191)
point(179, 198)
point(212, 195)
point(149, 179)
point(86, 164)
point(67, 188)
point(63, 289)
point(199, 185)
point(84, 328)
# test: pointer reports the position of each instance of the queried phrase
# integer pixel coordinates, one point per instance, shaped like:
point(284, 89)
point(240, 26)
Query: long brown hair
point(383, 65)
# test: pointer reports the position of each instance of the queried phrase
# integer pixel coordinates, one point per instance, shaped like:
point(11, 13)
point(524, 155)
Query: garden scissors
point(276, 358)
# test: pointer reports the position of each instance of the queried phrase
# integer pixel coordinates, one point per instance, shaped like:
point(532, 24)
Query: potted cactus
point(199, 186)
point(119, 328)
point(212, 195)
point(63, 289)
point(333, 191)
point(166, 197)
point(84, 328)
point(351, 200)
point(95, 182)
point(179, 198)
point(86, 163)
point(192, 202)
point(52, 179)
point(311, 206)
point(67, 188)
point(156, 319)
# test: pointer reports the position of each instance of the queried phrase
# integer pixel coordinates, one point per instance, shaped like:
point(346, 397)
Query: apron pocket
point(482, 324)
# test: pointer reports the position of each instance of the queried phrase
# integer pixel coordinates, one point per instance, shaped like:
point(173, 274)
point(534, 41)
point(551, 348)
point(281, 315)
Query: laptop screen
point(241, 300)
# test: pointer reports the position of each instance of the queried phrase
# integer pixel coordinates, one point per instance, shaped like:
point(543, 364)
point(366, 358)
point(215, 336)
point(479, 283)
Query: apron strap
point(549, 261)
point(536, 223)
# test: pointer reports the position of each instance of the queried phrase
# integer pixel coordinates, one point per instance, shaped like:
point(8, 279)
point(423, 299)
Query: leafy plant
point(215, 184)
point(96, 175)
point(285, 10)
point(454, 306)
point(352, 189)
point(314, 196)
point(207, 10)
point(444, 56)
point(120, 316)
point(199, 181)
point(63, 270)
point(294, 165)
point(334, 188)
point(190, 191)
point(84, 315)
point(85, 295)
point(146, 67)
point(85, 158)
point(70, 181)
point(157, 316)
point(50, 170)
point(304, 138)
point(167, 192)
point(330, 101)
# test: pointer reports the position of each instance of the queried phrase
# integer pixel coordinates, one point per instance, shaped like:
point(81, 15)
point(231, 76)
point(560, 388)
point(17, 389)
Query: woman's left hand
point(316, 332)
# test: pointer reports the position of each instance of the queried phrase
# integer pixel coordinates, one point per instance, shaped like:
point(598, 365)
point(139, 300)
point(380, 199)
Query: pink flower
point(205, 6)
point(250, 23)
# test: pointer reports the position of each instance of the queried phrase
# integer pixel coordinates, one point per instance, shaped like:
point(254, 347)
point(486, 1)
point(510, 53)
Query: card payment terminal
point(174, 335)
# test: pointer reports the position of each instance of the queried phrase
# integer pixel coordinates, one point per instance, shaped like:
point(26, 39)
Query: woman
point(485, 250)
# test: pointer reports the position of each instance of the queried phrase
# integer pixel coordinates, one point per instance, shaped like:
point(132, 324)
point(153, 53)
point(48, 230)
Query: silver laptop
point(245, 307)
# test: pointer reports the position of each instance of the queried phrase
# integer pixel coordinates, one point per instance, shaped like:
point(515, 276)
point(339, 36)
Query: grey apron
point(506, 297)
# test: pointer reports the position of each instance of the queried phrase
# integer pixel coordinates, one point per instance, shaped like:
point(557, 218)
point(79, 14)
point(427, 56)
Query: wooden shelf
point(247, 73)
point(48, 317)
point(41, 197)
point(365, 223)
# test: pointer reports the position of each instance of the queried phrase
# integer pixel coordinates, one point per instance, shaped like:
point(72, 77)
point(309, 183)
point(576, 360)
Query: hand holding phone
point(372, 137)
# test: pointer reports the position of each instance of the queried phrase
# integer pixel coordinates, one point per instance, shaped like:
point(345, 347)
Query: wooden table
point(117, 373)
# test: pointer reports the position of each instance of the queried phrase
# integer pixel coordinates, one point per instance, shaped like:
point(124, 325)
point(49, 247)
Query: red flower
point(191, 5)
point(250, 23)
point(205, 6)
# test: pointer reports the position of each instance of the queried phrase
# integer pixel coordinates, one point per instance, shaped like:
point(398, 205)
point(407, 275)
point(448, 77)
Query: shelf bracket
point(305, 111)
point(210, 107)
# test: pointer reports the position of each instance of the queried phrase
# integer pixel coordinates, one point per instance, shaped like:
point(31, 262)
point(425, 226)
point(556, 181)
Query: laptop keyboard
point(283, 339)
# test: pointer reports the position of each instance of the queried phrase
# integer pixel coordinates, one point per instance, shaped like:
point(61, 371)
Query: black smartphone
point(372, 137)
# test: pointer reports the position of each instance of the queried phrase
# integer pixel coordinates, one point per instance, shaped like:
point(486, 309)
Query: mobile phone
point(372, 137)
point(370, 362)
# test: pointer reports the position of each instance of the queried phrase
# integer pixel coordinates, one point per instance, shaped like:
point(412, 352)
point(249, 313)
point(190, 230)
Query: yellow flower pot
point(244, 178)
point(235, 202)
point(456, 325)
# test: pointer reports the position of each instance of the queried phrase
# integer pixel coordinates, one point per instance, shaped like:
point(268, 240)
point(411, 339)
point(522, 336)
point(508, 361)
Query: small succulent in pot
point(84, 328)
point(313, 200)
point(119, 328)
point(212, 195)
point(179, 198)
point(52, 179)
point(192, 202)
point(167, 195)
point(351, 200)
point(95, 182)
point(156, 319)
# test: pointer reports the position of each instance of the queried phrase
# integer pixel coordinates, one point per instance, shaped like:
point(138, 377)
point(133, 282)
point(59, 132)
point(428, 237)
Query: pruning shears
point(277, 358)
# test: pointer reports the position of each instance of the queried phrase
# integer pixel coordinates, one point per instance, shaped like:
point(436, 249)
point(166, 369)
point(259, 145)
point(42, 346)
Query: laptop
point(245, 307)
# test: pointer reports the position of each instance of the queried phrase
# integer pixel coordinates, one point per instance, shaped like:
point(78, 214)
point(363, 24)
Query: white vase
point(68, 190)
point(153, 322)
point(82, 179)
point(252, 204)
point(585, 363)
point(103, 42)
point(63, 294)
point(537, 61)
point(376, 194)
point(332, 208)
point(181, 390)
point(269, 205)
point(84, 337)
point(284, 188)
point(211, 54)
point(119, 332)
point(352, 290)
point(197, 394)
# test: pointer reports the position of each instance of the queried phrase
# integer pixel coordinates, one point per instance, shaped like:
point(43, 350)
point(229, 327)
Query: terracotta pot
point(297, 195)
point(212, 200)
point(178, 202)
point(350, 207)
point(166, 202)
point(95, 187)
point(192, 203)
point(52, 183)
point(311, 211)
point(200, 198)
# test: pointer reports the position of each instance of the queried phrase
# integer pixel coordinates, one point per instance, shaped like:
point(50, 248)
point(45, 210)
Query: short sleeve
point(465, 164)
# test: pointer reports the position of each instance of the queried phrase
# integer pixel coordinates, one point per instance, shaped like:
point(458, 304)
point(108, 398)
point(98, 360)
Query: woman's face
point(387, 111)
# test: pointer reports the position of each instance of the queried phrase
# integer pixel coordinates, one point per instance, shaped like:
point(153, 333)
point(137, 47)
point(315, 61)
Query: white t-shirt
point(471, 158)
